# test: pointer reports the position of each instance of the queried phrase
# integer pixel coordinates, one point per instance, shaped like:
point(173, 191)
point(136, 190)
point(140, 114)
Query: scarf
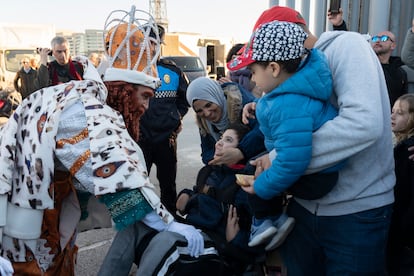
point(71, 75)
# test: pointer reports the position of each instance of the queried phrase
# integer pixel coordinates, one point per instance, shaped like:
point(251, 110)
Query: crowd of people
point(301, 154)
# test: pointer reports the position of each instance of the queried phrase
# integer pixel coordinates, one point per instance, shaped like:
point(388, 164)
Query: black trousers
point(164, 156)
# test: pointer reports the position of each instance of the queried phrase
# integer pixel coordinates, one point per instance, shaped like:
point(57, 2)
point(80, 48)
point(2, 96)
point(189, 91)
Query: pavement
point(94, 244)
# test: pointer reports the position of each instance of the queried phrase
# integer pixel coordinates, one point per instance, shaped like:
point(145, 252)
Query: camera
point(38, 49)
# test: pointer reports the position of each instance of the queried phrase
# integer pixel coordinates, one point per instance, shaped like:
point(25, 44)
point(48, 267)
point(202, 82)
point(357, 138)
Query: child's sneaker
point(284, 225)
point(261, 231)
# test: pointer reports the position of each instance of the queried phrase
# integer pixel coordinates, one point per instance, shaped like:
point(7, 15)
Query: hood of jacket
point(313, 78)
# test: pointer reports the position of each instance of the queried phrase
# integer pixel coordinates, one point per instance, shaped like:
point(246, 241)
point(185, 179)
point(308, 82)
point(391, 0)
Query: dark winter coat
point(27, 82)
point(396, 79)
point(402, 225)
point(167, 107)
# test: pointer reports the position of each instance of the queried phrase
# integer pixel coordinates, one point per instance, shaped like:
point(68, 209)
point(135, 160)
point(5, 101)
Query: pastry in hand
point(242, 179)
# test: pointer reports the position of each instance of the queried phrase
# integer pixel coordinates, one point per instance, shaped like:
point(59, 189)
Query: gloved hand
point(6, 267)
point(193, 236)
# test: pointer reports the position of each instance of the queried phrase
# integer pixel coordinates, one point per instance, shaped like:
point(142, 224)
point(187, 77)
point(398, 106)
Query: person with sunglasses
point(407, 51)
point(383, 45)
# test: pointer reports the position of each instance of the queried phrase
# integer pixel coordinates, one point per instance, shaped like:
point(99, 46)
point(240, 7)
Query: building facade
point(84, 43)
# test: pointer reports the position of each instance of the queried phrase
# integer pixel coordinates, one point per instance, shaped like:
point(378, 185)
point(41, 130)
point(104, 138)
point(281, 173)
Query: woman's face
point(400, 116)
point(229, 139)
point(207, 110)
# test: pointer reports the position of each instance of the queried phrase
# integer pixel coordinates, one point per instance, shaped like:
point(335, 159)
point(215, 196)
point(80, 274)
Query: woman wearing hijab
point(216, 106)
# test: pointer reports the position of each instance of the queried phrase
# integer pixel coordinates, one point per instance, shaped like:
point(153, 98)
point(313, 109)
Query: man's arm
point(42, 79)
point(337, 21)
point(361, 96)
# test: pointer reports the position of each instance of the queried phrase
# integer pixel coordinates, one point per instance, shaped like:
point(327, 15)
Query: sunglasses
point(382, 38)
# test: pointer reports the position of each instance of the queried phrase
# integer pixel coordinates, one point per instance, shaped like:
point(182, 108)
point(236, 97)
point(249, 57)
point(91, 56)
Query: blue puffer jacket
point(287, 117)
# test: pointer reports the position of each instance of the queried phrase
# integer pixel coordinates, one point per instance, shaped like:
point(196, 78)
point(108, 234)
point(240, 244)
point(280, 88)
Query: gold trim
point(75, 139)
point(79, 162)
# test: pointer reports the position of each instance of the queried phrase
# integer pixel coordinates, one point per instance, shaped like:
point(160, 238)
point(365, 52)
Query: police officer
point(161, 124)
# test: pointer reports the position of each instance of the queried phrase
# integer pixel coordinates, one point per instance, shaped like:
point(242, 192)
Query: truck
point(18, 41)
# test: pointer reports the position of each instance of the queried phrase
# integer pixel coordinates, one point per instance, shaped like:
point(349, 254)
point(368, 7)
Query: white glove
point(154, 221)
point(6, 268)
point(192, 235)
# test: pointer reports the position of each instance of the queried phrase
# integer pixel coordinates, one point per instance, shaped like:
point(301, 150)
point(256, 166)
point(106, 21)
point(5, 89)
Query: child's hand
point(249, 111)
point(249, 188)
point(232, 227)
point(261, 163)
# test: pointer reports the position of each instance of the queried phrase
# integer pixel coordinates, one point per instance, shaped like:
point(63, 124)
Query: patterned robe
point(37, 150)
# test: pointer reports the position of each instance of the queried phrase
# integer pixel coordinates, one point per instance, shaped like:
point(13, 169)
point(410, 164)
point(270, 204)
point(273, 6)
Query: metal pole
point(364, 17)
point(379, 16)
point(317, 17)
point(290, 4)
point(273, 3)
point(304, 9)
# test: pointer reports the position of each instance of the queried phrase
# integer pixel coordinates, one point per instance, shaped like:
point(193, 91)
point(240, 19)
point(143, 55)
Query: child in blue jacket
point(297, 86)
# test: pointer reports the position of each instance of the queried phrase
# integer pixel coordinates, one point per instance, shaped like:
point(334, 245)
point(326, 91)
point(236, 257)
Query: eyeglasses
point(382, 38)
point(25, 62)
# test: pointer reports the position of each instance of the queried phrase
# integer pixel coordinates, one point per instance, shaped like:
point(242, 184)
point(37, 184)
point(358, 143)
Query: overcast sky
point(229, 18)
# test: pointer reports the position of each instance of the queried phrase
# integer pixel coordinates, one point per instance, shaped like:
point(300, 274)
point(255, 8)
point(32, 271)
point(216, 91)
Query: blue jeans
point(337, 245)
